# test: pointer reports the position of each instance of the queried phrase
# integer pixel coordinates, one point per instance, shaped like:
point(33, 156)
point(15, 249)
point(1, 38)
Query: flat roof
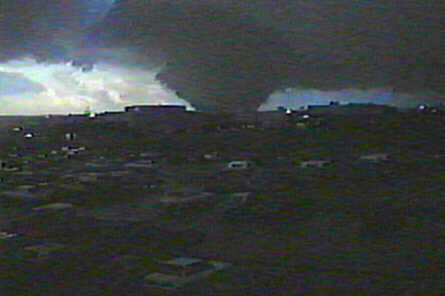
point(182, 261)
point(54, 206)
point(44, 248)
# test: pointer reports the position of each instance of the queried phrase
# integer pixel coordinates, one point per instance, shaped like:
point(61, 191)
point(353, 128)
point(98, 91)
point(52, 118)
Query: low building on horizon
point(376, 157)
point(177, 272)
point(155, 109)
point(315, 163)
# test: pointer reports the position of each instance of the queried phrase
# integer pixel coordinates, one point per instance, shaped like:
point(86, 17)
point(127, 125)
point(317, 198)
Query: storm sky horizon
point(218, 55)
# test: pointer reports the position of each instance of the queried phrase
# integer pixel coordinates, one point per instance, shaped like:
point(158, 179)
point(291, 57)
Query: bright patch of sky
point(30, 88)
point(296, 98)
point(12, 83)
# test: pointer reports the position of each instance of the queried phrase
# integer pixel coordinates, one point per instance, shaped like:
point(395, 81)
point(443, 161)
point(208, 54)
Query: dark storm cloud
point(47, 29)
point(235, 53)
point(217, 57)
point(226, 54)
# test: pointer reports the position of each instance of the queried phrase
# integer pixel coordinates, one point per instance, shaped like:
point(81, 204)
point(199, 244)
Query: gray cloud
point(226, 54)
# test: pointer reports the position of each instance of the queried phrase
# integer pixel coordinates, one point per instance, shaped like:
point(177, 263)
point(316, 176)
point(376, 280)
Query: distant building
point(334, 108)
point(5, 235)
point(44, 250)
point(177, 272)
point(375, 157)
point(70, 136)
point(301, 125)
point(426, 109)
point(54, 207)
point(314, 163)
point(184, 266)
point(239, 165)
point(146, 164)
point(168, 119)
point(155, 109)
point(184, 197)
point(211, 156)
point(111, 116)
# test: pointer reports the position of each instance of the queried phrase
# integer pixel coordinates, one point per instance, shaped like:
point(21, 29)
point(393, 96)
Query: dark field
point(353, 227)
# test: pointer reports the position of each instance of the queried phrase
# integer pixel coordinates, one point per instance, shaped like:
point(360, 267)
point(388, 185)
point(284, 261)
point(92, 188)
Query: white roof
point(239, 162)
point(241, 194)
point(182, 261)
point(44, 248)
point(54, 206)
point(315, 161)
point(4, 235)
point(376, 155)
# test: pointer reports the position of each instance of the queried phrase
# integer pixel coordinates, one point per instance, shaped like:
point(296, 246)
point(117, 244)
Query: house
point(20, 195)
point(184, 197)
point(70, 136)
point(375, 157)
point(54, 207)
point(27, 188)
point(184, 266)
point(43, 250)
point(71, 150)
point(301, 125)
point(65, 148)
point(5, 235)
point(241, 196)
point(239, 165)
point(141, 164)
point(177, 272)
point(10, 168)
point(334, 108)
point(314, 163)
point(155, 109)
point(152, 155)
point(233, 201)
point(211, 156)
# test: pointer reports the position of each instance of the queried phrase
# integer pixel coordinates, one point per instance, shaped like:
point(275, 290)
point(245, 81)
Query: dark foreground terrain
point(354, 227)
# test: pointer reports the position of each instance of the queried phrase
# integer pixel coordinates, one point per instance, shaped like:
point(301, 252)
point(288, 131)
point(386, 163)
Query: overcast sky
point(219, 54)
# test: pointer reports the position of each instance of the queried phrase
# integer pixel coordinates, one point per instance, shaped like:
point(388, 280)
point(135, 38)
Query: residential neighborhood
point(100, 207)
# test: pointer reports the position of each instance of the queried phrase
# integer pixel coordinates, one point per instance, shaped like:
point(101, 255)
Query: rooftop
point(44, 249)
point(182, 261)
point(54, 206)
